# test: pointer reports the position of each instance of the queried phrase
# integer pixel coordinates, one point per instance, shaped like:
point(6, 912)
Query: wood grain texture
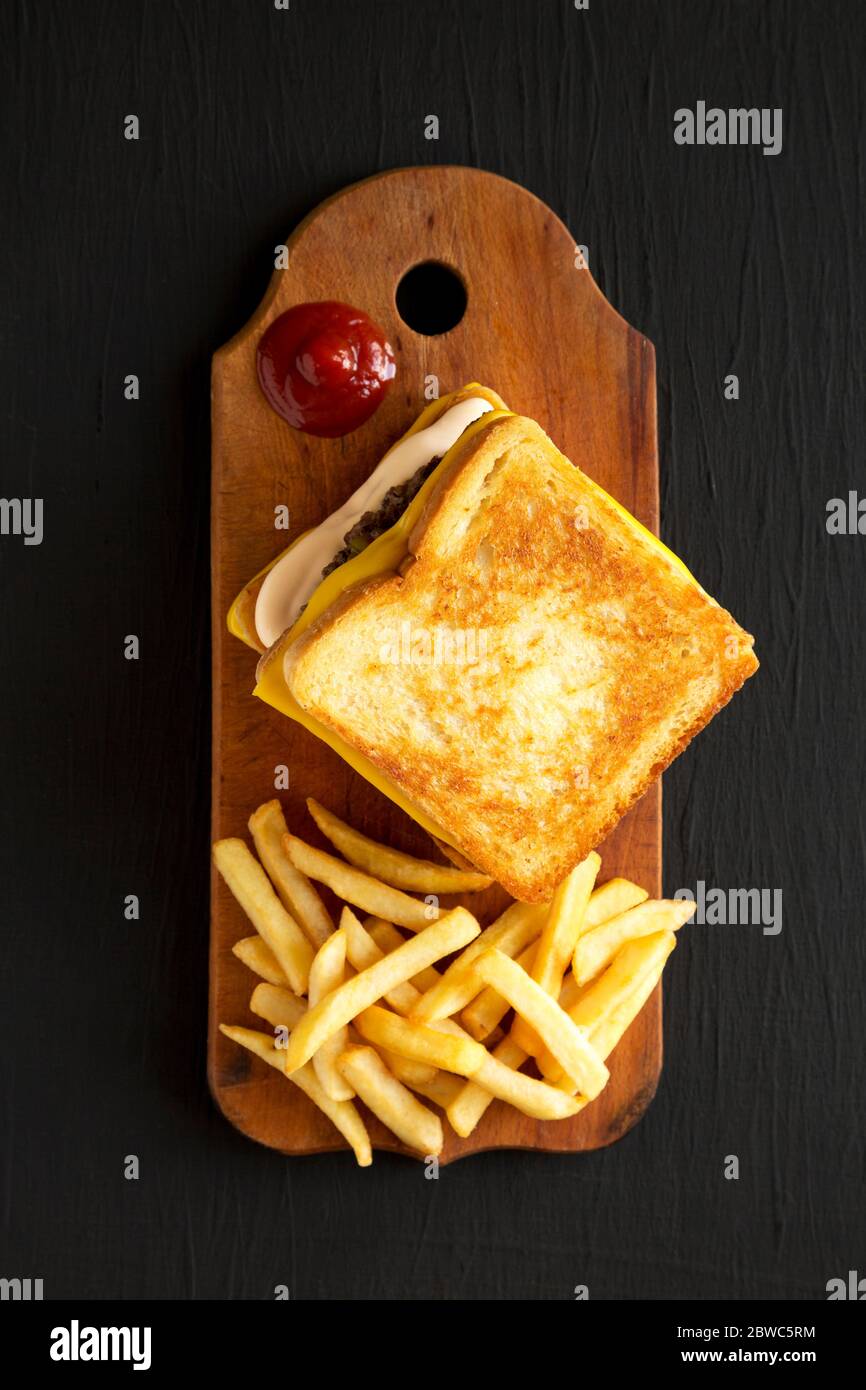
point(538, 331)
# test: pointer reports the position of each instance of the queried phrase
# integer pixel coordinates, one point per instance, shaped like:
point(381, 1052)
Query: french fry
point(558, 1033)
point(412, 1074)
point(569, 995)
point(597, 948)
point(634, 962)
point(278, 1005)
point(283, 1009)
point(390, 865)
point(518, 925)
point(363, 952)
point(259, 957)
point(571, 992)
point(481, 1017)
point(388, 937)
point(501, 1081)
point(525, 1093)
point(420, 1043)
point(295, 891)
point(467, 1108)
point(532, 1097)
point(614, 1016)
point(564, 924)
point(442, 1088)
point(343, 1041)
point(609, 1033)
point(612, 1002)
point(500, 1077)
point(252, 888)
point(558, 939)
point(359, 888)
point(326, 973)
point(453, 931)
point(610, 1029)
point(528, 1095)
point(610, 899)
point(487, 1010)
point(341, 1113)
point(389, 1099)
point(594, 1005)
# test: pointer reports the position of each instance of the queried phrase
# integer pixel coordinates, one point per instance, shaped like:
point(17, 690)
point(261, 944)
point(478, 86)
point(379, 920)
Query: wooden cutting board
point(537, 330)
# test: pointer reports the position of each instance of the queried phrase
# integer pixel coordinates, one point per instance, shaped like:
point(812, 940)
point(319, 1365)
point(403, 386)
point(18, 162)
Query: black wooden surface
point(143, 257)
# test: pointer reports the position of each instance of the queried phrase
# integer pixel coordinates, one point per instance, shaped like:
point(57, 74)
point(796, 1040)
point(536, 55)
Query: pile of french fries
point(359, 1012)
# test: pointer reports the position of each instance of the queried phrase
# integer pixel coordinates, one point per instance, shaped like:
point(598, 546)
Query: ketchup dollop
point(325, 367)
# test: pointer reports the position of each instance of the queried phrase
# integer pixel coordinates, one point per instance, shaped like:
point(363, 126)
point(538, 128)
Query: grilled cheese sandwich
point(514, 660)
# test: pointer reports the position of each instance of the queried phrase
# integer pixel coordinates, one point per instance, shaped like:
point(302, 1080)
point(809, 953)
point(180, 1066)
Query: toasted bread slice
point(537, 662)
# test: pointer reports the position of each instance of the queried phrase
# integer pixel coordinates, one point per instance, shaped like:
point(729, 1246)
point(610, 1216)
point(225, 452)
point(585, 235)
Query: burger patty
point(373, 524)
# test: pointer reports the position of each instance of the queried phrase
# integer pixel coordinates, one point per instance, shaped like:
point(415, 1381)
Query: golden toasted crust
point(244, 606)
point(533, 670)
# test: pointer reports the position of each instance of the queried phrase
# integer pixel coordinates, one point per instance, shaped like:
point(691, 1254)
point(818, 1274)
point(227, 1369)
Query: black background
point(144, 257)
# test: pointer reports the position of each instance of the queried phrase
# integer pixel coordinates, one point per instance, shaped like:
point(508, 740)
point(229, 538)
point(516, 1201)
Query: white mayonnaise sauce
point(293, 579)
